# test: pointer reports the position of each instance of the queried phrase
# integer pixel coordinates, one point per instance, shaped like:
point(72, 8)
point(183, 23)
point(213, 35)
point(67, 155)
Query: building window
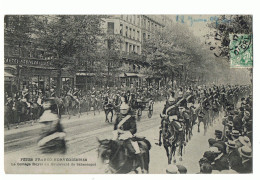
point(110, 28)
point(121, 29)
point(138, 34)
point(148, 36)
point(126, 47)
point(130, 32)
point(148, 25)
point(130, 48)
point(133, 33)
point(126, 31)
point(109, 44)
point(144, 36)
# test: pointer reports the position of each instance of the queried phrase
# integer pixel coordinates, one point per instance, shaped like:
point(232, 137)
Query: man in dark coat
point(221, 161)
point(235, 161)
point(125, 128)
point(246, 154)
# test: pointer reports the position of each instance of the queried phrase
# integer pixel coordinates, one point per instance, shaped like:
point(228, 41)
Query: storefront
point(9, 83)
point(84, 81)
point(153, 81)
point(132, 79)
point(37, 75)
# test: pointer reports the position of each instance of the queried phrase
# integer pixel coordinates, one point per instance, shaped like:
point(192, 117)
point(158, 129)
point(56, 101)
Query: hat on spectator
point(231, 144)
point(182, 169)
point(245, 151)
point(218, 132)
point(210, 156)
point(212, 141)
point(204, 159)
point(235, 134)
point(172, 169)
point(219, 146)
point(245, 141)
point(214, 149)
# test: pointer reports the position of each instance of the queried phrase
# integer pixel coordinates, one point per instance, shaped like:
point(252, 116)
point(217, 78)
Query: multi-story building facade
point(133, 30)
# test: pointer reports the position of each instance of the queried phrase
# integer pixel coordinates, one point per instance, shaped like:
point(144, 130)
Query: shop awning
point(84, 74)
point(131, 75)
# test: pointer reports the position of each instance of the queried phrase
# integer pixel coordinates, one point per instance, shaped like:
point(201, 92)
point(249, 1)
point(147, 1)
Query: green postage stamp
point(241, 51)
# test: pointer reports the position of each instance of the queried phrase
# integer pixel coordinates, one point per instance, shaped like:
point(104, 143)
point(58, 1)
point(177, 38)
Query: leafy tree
point(73, 39)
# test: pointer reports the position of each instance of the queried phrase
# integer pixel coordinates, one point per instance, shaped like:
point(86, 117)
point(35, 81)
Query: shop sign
point(30, 62)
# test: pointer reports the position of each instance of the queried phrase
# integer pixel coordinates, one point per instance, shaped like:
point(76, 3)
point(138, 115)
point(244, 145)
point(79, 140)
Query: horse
point(93, 104)
point(66, 103)
point(202, 117)
point(115, 156)
point(188, 123)
point(215, 110)
point(71, 105)
point(193, 116)
point(109, 108)
point(171, 139)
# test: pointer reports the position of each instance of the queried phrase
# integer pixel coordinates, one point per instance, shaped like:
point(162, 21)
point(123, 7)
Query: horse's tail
point(147, 160)
point(149, 146)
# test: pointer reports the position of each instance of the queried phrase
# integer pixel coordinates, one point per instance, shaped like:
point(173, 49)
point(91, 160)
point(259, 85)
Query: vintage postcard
point(128, 93)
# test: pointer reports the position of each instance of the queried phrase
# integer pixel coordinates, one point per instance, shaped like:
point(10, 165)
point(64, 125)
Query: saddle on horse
point(144, 145)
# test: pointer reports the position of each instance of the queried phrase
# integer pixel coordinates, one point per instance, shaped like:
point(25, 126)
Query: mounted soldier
point(124, 132)
point(52, 138)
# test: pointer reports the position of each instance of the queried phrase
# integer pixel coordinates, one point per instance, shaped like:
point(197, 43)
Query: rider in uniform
point(52, 137)
point(125, 129)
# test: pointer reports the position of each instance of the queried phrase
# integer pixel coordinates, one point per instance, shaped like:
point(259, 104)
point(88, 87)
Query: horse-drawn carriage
point(141, 106)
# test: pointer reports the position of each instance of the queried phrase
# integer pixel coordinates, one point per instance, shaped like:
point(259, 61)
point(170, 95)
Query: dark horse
point(202, 117)
point(115, 156)
point(109, 108)
point(171, 139)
